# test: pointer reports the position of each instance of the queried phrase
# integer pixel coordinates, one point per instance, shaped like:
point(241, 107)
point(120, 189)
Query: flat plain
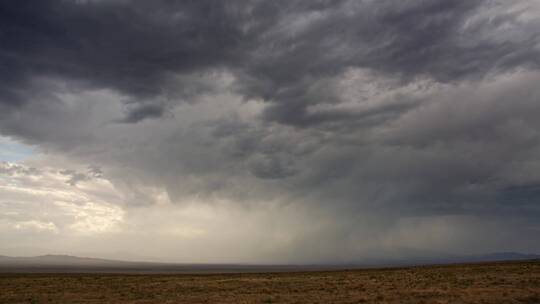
point(503, 282)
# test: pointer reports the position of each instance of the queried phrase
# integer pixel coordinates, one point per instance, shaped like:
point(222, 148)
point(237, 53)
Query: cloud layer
point(330, 130)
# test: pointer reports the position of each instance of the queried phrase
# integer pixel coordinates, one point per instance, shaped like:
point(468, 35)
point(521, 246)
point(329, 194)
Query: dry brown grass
point(517, 282)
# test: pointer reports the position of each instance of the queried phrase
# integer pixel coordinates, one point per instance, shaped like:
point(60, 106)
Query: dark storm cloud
point(281, 50)
point(129, 46)
point(142, 112)
point(396, 109)
point(407, 40)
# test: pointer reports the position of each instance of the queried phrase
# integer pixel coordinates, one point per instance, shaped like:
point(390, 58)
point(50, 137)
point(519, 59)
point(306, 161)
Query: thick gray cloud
point(130, 46)
point(284, 52)
point(378, 125)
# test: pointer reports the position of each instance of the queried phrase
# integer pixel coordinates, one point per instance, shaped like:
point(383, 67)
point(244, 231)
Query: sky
point(251, 131)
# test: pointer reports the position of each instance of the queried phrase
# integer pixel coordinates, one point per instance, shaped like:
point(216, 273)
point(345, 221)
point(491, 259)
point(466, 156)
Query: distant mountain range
point(500, 256)
point(67, 263)
point(454, 259)
point(57, 260)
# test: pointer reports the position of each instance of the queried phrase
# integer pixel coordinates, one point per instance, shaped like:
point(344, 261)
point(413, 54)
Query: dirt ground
point(509, 282)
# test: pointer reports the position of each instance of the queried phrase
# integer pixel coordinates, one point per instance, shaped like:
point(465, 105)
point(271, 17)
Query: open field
point(505, 282)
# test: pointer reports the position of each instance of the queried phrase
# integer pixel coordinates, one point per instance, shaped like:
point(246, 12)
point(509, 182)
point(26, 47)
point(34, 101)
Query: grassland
point(508, 282)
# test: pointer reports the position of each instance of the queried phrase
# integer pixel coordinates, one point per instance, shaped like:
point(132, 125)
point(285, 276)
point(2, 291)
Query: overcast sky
point(269, 131)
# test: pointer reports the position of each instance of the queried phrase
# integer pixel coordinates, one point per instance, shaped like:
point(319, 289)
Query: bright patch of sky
point(12, 151)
